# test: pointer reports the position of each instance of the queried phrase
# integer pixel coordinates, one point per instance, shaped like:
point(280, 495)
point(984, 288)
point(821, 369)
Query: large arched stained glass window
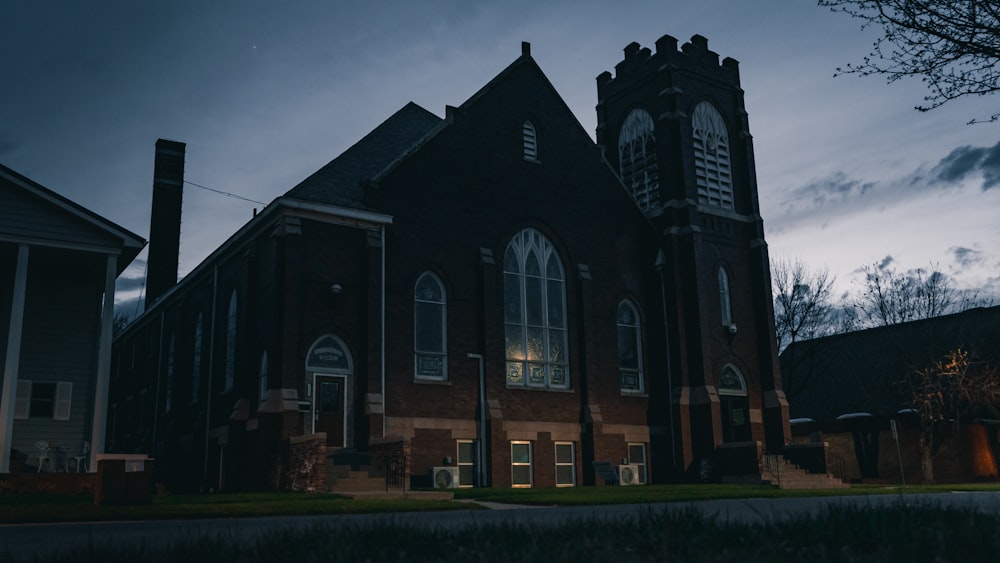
point(429, 328)
point(535, 313)
point(629, 347)
point(711, 157)
point(637, 159)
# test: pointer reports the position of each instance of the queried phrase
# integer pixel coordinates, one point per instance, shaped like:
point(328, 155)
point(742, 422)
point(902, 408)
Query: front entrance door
point(329, 408)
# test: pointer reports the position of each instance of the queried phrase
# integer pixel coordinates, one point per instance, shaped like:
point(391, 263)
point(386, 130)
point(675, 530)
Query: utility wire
point(225, 193)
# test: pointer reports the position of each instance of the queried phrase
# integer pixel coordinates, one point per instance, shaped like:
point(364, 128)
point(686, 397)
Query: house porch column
point(13, 359)
point(103, 380)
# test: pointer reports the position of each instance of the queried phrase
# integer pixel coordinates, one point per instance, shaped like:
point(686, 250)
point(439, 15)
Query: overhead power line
point(225, 193)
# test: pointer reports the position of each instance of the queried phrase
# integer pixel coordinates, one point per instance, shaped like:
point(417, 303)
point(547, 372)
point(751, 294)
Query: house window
point(43, 399)
point(637, 159)
point(535, 313)
point(629, 348)
point(169, 392)
point(263, 376)
point(725, 301)
point(530, 141)
point(466, 463)
point(713, 175)
point(637, 456)
point(430, 328)
point(520, 464)
point(231, 343)
point(565, 465)
point(196, 361)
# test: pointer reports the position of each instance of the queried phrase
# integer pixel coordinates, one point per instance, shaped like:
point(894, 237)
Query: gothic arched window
point(535, 313)
point(711, 157)
point(629, 347)
point(637, 159)
point(734, 405)
point(430, 337)
point(231, 343)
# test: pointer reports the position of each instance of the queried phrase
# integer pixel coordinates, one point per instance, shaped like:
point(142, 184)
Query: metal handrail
point(395, 472)
point(771, 464)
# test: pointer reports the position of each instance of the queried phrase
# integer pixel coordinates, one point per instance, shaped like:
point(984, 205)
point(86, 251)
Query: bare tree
point(891, 297)
point(802, 306)
point(946, 395)
point(953, 46)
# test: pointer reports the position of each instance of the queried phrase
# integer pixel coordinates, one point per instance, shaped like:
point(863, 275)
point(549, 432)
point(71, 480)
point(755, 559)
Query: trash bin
point(124, 479)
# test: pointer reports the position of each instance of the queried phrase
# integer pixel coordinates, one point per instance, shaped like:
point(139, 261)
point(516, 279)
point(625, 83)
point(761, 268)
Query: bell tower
point(673, 125)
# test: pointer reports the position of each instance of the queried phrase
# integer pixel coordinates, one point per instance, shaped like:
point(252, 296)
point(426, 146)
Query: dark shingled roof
point(341, 181)
point(858, 371)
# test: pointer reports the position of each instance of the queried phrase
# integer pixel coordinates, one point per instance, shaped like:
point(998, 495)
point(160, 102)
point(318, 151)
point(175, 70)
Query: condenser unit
point(628, 474)
point(445, 477)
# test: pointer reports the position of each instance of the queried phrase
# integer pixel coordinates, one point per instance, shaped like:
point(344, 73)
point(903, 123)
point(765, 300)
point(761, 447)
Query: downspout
point(385, 399)
point(481, 450)
point(661, 262)
point(211, 371)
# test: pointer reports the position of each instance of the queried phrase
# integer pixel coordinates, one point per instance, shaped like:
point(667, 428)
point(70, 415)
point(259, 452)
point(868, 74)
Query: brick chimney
point(165, 221)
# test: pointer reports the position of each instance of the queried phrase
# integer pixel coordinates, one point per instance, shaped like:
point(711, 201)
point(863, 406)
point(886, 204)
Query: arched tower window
point(711, 157)
point(231, 343)
point(637, 159)
point(725, 300)
point(530, 138)
point(629, 347)
point(535, 313)
point(430, 337)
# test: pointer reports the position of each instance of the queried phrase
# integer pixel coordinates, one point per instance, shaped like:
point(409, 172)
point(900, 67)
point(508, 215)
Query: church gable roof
point(341, 181)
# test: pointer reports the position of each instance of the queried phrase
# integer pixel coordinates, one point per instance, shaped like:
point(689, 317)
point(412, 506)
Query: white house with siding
point(58, 265)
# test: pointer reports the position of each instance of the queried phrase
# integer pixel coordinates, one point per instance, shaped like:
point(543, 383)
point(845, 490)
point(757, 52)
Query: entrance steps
point(350, 471)
point(784, 474)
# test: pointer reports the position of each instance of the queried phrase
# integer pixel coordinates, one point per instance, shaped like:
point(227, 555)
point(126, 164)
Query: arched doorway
point(329, 369)
point(734, 406)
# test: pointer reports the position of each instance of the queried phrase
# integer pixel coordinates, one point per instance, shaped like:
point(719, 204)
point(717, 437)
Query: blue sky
point(264, 93)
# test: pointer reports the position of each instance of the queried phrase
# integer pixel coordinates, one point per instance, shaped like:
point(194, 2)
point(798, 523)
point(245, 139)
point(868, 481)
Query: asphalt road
point(21, 542)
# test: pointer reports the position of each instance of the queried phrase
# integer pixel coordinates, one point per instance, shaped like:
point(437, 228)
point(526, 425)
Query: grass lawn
point(20, 508)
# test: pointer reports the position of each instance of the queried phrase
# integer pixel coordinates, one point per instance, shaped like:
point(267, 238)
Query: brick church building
point(491, 291)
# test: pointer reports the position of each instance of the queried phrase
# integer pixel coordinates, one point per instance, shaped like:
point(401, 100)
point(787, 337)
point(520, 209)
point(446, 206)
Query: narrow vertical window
point(263, 376)
point(530, 138)
point(629, 348)
point(725, 302)
point(196, 361)
point(565, 464)
point(466, 463)
point(520, 464)
point(711, 157)
point(637, 456)
point(637, 159)
point(430, 328)
point(168, 398)
point(734, 406)
point(231, 343)
point(535, 313)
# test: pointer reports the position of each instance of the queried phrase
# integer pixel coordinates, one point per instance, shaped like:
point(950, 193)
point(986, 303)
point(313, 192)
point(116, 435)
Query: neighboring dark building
point(849, 389)
point(482, 292)
point(58, 264)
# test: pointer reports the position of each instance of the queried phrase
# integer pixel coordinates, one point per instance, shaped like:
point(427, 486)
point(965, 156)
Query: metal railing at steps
point(395, 472)
point(771, 465)
point(836, 466)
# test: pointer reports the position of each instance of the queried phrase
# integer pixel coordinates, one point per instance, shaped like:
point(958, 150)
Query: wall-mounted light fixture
point(336, 289)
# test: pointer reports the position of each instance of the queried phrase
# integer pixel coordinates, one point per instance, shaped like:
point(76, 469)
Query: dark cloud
point(834, 189)
point(7, 147)
point(967, 161)
point(127, 283)
point(966, 257)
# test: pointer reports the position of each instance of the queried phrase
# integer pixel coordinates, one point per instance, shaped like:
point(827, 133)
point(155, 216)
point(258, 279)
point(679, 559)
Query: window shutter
point(22, 400)
point(64, 398)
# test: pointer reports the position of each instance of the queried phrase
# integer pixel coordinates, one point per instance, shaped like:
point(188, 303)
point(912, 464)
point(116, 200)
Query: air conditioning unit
point(445, 477)
point(628, 475)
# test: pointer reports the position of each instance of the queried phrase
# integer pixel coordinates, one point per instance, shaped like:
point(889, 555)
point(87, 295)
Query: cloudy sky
point(266, 92)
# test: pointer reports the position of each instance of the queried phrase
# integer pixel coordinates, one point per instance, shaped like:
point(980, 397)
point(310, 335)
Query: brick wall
point(306, 469)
